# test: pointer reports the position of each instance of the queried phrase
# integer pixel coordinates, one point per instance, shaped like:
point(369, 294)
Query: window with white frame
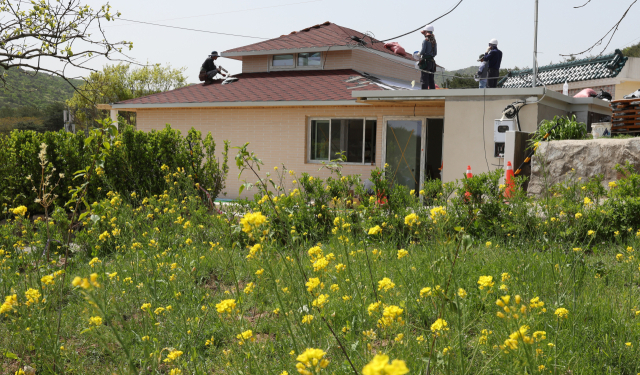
point(310, 59)
point(297, 60)
point(355, 137)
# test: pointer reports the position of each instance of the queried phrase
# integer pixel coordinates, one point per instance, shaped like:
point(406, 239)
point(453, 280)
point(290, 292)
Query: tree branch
point(613, 31)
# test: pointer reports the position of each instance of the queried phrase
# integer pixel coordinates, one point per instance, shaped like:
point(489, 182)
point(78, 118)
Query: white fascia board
point(313, 103)
point(317, 49)
point(426, 94)
point(285, 51)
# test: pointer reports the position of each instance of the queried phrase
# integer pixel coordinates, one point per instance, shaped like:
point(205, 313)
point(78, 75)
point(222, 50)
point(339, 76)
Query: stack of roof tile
point(626, 115)
point(607, 66)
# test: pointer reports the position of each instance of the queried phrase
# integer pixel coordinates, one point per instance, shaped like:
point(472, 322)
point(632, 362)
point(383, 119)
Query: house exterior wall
point(464, 143)
point(254, 64)
point(626, 88)
point(339, 60)
point(276, 134)
point(362, 61)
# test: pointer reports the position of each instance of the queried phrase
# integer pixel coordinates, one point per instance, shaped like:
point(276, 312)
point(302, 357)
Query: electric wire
point(231, 11)
point(614, 29)
point(413, 31)
point(188, 29)
point(421, 70)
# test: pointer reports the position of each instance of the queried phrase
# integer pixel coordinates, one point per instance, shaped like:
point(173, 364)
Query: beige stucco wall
point(362, 61)
point(255, 64)
point(276, 134)
point(626, 88)
point(463, 133)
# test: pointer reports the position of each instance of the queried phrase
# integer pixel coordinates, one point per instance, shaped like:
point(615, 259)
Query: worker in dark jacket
point(493, 57)
point(209, 69)
point(427, 63)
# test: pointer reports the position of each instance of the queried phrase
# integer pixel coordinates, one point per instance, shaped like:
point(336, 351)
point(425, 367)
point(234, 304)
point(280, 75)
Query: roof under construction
point(324, 35)
point(608, 66)
point(279, 86)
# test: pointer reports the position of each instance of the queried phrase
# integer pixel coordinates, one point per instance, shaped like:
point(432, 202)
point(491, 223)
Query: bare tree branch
point(40, 33)
point(612, 31)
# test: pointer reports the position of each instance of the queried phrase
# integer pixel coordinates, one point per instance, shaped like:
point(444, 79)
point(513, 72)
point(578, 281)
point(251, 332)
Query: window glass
point(282, 60)
point(353, 138)
point(346, 137)
point(320, 140)
point(370, 142)
point(310, 59)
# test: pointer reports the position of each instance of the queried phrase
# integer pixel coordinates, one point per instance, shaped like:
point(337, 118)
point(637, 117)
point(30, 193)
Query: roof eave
point(317, 49)
point(279, 103)
point(284, 51)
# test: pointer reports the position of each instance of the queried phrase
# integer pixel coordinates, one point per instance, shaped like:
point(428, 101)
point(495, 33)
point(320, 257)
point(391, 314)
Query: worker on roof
point(427, 63)
point(209, 69)
point(483, 72)
point(493, 57)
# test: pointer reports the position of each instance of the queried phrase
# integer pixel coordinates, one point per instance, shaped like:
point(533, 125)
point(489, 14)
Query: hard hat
point(214, 54)
point(428, 28)
point(494, 41)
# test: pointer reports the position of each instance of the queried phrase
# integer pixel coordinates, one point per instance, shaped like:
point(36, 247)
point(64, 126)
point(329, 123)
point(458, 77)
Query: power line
point(413, 31)
point(188, 29)
point(614, 29)
point(232, 11)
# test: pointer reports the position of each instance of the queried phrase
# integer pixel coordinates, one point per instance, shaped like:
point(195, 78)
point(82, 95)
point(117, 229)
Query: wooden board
point(626, 100)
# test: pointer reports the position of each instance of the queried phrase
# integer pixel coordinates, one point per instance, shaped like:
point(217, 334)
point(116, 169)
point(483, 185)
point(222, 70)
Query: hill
point(26, 89)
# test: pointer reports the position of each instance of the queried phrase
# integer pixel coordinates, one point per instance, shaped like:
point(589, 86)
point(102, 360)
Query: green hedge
point(133, 164)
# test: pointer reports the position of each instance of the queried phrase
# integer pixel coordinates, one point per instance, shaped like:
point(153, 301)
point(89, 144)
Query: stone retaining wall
point(587, 157)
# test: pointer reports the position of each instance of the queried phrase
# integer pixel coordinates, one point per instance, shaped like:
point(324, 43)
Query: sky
point(461, 35)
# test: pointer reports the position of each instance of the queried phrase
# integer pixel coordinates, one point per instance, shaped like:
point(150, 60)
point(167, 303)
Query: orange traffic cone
point(508, 178)
point(467, 195)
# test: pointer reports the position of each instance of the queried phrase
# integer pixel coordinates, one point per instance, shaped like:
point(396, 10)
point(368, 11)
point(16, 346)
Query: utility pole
point(535, 46)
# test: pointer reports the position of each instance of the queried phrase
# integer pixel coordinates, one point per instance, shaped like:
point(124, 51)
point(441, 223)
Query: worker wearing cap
point(483, 72)
point(427, 63)
point(209, 69)
point(493, 57)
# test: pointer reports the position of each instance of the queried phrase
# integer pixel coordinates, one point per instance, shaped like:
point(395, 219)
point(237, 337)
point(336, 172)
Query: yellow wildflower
point(311, 361)
point(380, 365)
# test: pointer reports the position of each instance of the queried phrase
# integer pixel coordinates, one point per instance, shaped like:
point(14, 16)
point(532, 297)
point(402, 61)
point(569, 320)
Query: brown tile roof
point(305, 85)
point(323, 35)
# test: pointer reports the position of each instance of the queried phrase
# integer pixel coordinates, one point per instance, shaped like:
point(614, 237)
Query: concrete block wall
point(276, 134)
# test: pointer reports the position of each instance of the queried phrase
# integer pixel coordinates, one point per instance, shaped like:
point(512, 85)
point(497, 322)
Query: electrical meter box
point(500, 127)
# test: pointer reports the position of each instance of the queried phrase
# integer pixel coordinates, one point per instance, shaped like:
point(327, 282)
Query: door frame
point(423, 141)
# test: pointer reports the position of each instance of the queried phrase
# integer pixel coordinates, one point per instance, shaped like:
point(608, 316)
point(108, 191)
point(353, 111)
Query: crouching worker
point(209, 69)
point(427, 63)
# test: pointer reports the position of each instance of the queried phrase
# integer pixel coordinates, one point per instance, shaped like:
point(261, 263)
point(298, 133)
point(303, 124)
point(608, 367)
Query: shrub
point(133, 163)
point(567, 128)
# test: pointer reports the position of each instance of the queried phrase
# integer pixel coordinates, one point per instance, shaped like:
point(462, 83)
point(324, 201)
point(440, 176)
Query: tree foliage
point(632, 51)
point(120, 82)
point(51, 36)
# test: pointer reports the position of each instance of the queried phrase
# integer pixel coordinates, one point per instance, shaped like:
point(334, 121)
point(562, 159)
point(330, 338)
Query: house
point(306, 96)
point(614, 73)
